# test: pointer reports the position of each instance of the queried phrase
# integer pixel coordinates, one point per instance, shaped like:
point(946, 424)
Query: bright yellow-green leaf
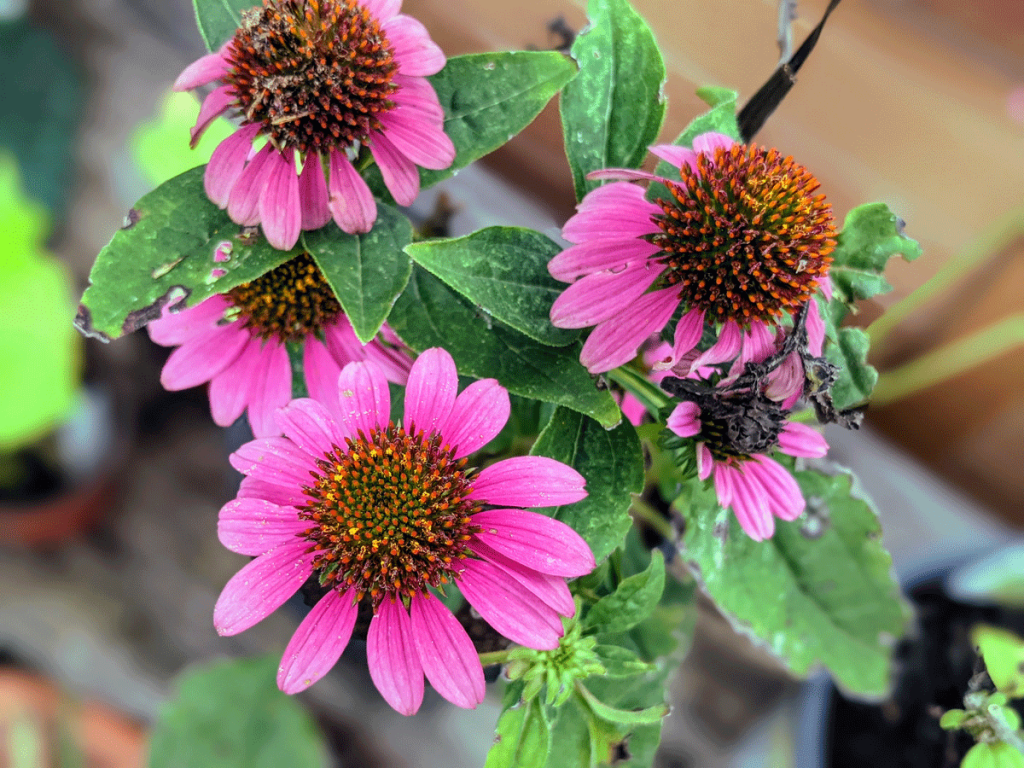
point(1003, 652)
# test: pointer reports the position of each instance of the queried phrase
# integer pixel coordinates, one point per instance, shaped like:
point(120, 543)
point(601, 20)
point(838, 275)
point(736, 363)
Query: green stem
point(653, 518)
point(950, 360)
point(995, 239)
point(647, 392)
point(647, 716)
point(494, 657)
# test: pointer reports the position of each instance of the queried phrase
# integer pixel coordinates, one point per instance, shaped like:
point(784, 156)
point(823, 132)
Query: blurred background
point(108, 590)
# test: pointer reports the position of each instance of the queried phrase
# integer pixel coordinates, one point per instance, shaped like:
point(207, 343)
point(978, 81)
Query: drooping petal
point(781, 488)
point(351, 201)
point(723, 484)
point(399, 172)
point(421, 140)
point(675, 155)
point(689, 330)
point(551, 590)
point(617, 210)
point(232, 389)
point(415, 52)
point(392, 658)
point(446, 653)
point(725, 349)
point(613, 253)
point(272, 388)
point(685, 419)
point(244, 199)
point(227, 163)
point(802, 440)
point(279, 208)
point(213, 107)
point(430, 393)
point(261, 587)
point(508, 608)
point(321, 372)
point(202, 357)
point(313, 197)
point(255, 526)
point(364, 399)
point(705, 462)
point(528, 481)
point(536, 541)
point(203, 70)
point(603, 295)
point(274, 492)
point(174, 328)
point(418, 95)
point(310, 426)
point(613, 343)
point(274, 459)
point(479, 413)
point(815, 329)
point(750, 506)
point(318, 642)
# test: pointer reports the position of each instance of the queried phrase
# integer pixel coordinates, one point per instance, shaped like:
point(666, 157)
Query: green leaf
point(646, 716)
point(218, 20)
point(44, 99)
point(632, 602)
point(159, 146)
point(1003, 652)
point(613, 465)
point(721, 118)
point(164, 254)
point(570, 739)
point(487, 99)
point(366, 272)
point(621, 662)
point(504, 271)
point(614, 108)
point(232, 715)
point(872, 234)
point(819, 591)
point(430, 314)
point(523, 738)
point(995, 755)
point(856, 379)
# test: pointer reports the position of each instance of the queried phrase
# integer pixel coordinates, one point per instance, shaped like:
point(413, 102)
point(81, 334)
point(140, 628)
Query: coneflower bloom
point(236, 341)
point(319, 80)
point(387, 513)
point(740, 243)
point(756, 487)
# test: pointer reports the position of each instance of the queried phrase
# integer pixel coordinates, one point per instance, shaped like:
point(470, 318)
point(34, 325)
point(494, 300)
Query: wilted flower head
point(740, 241)
point(320, 80)
point(387, 513)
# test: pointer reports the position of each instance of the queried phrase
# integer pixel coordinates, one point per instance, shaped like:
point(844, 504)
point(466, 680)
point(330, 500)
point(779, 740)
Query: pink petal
point(227, 163)
point(244, 200)
point(396, 363)
point(321, 372)
point(271, 387)
point(528, 481)
point(318, 642)
point(603, 295)
point(751, 507)
point(202, 357)
point(689, 330)
point(479, 413)
point(551, 590)
point(758, 343)
point(279, 207)
point(535, 541)
point(598, 255)
point(623, 174)
point(685, 419)
point(446, 653)
point(382, 10)
point(343, 343)
point(723, 484)
point(708, 142)
point(313, 198)
point(174, 328)
point(677, 156)
point(231, 390)
point(206, 69)
point(415, 52)
point(632, 409)
point(254, 526)
point(825, 284)
point(213, 107)
point(613, 343)
point(275, 460)
point(815, 328)
point(364, 399)
point(261, 587)
point(399, 172)
point(391, 655)
point(780, 487)
point(274, 492)
point(801, 440)
point(617, 210)
point(416, 94)
point(725, 349)
point(309, 425)
point(421, 140)
point(351, 202)
point(705, 462)
point(508, 608)
point(430, 393)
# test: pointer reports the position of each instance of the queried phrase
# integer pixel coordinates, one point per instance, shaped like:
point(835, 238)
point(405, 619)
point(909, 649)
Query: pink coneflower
point(321, 80)
point(386, 513)
point(757, 488)
point(237, 343)
point(739, 243)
